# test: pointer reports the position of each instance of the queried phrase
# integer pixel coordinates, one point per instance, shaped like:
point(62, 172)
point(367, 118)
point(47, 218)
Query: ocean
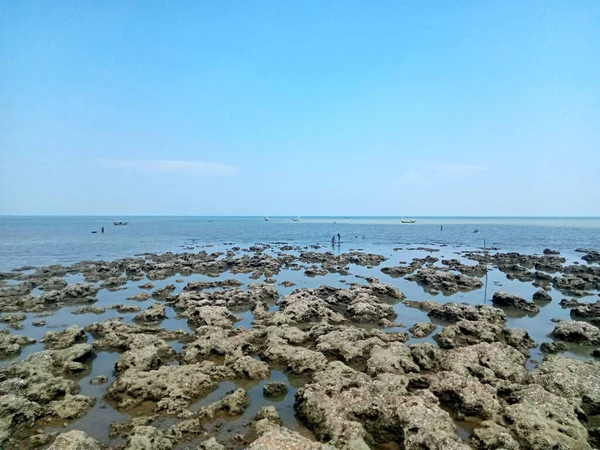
point(39, 241)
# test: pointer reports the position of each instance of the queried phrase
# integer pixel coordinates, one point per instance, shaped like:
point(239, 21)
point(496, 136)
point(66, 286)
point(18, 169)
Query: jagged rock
point(395, 357)
point(100, 379)
point(75, 440)
point(275, 388)
point(148, 437)
point(124, 309)
point(505, 299)
point(484, 361)
point(467, 332)
point(146, 286)
point(53, 284)
point(580, 332)
point(11, 344)
point(171, 387)
point(89, 309)
point(62, 339)
point(491, 436)
point(350, 410)
point(554, 347)
point(454, 312)
point(16, 412)
point(298, 360)
point(345, 343)
point(540, 419)
point(422, 329)
point(542, 296)
point(155, 313)
point(13, 317)
point(211, 444)
point(70, 407)
point(139, 297)
point(217, 316)
point(571, 378)
point(447, 282)
point(425, 355)
point(465, 394)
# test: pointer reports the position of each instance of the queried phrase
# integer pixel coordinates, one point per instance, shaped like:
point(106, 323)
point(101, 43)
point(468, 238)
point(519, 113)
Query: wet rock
point(572, 379)
point(468, 332)
point(125, 309)
point(486, 362)
point(345, 343)
point(211, 444)
point(270, 435)
point(447, 282)
point(465, 394)
point(53, 284)
point(154, 313)
point(201, 285)
point(302, 307)
point(139, 297)
point(587, 311)
point(549, 251)
point(275, 389)
point(11, 344)
point(100, 379)
point(592, 256)
point(148, 437)
point(89, 310)
point(368, 308)
point(38, 323)
point(542, 296)
point(75, 440)
point(73, 293)
point(350, 410)
point(422, 329)
point(144, 358)
point(395, 357)
point(16, 412)
point(287, 284)
point(491, 436)
point(146, 286)
point(63, 339)
point(164, 292)
point(217, 316)
point(172, 388)
point(454, 264)
point(12, 317)
point(297, 360)
point(540, 419)
point(245, 366)
point(505, 299)
point(554, 347)
point(70, 407)
point(580, 332)
point(576, 283)
point(424, 355)
point(454, 312)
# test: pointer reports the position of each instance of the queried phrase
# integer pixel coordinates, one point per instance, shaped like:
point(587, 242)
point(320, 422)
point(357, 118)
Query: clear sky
point(300, 107)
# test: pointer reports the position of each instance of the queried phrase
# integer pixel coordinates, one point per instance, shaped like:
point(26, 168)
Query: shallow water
point(389, 236)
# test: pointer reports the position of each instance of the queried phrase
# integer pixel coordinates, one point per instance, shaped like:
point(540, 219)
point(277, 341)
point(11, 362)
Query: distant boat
point(296, 219)
point(267, 219)
point(408, 220)
point(119, 223)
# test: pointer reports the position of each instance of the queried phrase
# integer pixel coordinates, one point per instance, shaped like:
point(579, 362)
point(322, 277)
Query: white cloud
point(206, 168)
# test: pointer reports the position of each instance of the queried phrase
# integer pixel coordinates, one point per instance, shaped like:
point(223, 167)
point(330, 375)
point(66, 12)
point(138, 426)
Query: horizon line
point(306, 216)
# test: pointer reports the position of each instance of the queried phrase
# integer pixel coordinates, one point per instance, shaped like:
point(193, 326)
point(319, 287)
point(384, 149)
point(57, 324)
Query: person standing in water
point(442, 228)
point(102, 230)
point(339, 238)
point(333, 239)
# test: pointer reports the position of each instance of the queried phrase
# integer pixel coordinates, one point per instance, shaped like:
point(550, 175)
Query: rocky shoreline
point(366, 376)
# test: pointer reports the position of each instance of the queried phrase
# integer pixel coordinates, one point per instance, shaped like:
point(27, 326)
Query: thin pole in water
point(486, 271)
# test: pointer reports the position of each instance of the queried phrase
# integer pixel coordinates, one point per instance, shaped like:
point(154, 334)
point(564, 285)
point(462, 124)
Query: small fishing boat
point(296, 219)
point(120, 223)
point(267, 219)
point(408, 220)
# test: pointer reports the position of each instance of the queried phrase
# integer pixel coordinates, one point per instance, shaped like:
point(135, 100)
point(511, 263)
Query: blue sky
point(300, 107)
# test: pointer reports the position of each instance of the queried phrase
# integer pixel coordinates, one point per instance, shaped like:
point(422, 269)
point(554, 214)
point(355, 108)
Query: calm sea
point(64, 240)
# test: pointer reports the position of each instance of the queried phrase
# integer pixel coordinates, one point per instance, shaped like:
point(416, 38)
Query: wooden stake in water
point(486, 271)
